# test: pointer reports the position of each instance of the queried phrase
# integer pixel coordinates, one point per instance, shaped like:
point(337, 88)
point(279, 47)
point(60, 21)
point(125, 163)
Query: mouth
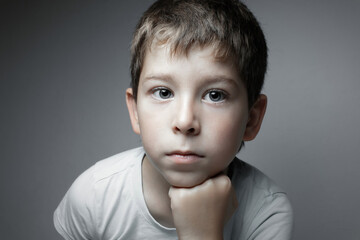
point(184, 157)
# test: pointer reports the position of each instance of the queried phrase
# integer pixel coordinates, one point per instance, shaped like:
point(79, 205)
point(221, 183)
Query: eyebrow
point(222, 78)
point(163, 77)
point(209, 79)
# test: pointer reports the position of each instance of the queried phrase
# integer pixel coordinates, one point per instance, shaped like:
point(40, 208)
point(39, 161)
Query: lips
point(184, 157)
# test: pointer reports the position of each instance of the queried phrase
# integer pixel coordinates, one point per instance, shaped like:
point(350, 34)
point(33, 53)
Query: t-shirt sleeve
point(274, 219)
point(75, 215)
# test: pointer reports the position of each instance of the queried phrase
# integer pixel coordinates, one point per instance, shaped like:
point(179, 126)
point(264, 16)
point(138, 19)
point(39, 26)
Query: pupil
point(164, 93)
point(215, 96)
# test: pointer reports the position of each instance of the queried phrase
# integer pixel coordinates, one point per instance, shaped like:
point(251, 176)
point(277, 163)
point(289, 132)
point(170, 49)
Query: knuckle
point(225, 181)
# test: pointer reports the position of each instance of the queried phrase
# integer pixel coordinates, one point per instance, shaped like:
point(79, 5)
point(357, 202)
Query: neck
point(155, 190)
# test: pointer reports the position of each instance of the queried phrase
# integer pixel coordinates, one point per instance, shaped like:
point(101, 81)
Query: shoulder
point(114, 164)
point(103, 171)
point(76, 215)
point(249, 177)
point(265, 207)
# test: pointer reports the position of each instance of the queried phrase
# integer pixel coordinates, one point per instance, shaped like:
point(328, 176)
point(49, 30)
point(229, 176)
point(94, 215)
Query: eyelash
point(157, 91)
point(223, 95)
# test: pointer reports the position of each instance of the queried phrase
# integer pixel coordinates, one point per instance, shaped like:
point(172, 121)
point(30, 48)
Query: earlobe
point(256, 116)
point(132, 108)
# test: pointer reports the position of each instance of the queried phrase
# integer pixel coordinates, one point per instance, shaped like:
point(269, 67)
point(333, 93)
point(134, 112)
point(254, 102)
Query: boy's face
point(191, 112)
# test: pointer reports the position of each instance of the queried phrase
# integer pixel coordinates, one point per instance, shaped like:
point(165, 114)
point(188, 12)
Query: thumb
point(171, 192)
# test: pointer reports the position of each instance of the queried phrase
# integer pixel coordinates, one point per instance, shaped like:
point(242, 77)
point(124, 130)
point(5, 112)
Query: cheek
point(152, 126)
point(228, 135)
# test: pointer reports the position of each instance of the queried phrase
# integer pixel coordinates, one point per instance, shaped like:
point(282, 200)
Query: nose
point(186, 119)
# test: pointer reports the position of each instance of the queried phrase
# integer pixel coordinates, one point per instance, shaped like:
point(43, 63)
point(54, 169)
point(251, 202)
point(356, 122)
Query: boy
point(197, 71)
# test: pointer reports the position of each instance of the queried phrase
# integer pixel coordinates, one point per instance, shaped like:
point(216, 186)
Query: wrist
point(201, 238)
point(207, 236)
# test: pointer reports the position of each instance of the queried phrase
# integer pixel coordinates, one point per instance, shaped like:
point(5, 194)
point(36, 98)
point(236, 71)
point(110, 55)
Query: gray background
point(64, 70)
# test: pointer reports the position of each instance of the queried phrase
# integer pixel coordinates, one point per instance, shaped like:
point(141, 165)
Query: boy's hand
point(202, 211)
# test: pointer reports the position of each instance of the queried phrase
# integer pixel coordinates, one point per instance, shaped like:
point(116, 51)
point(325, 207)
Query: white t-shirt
point(107, 202)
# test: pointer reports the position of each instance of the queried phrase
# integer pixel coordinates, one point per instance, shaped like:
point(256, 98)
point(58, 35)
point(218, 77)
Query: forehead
point(196, 62)
point(217, 49)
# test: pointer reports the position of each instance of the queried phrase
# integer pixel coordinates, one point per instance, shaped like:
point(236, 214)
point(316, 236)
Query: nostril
point(191, 130)
point(186, 127)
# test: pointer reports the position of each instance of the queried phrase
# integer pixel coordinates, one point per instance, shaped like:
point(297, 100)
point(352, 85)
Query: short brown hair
point(227, 25)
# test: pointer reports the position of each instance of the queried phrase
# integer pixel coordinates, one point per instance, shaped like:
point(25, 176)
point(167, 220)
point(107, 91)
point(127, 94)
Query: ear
point(256, 116)
point(132, 108)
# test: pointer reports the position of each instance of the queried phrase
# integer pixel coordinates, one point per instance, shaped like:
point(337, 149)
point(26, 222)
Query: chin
point(185, 181)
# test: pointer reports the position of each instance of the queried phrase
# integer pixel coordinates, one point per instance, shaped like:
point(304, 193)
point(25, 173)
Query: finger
point(171, 192)
point(223, 180)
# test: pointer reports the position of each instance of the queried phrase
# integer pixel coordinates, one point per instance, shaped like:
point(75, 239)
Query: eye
point(215, 96)
point(162, 93)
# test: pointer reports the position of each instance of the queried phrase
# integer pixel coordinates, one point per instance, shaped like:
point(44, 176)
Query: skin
point(192, 115)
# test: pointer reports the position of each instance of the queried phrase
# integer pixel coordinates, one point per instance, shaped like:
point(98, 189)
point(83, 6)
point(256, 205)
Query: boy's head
point(226, 25)
point(197, 68)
